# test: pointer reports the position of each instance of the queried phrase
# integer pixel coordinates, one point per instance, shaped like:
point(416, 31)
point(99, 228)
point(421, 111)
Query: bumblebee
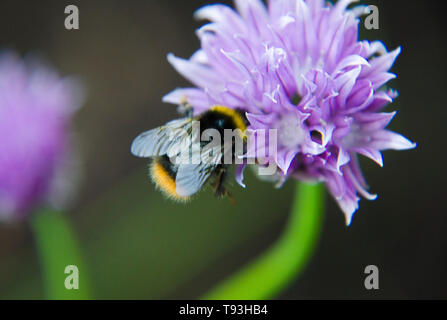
point(181, 181)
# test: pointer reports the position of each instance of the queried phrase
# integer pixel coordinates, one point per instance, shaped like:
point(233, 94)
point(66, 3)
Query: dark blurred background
point(139, 245)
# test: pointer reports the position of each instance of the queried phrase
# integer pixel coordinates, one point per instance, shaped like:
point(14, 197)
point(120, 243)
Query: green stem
point(57, 248)
point(276, 268)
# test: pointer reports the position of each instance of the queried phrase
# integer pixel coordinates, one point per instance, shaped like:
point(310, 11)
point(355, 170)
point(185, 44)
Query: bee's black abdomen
point(167, 165)
point(163, 174)
point(213, 120)
point(221, 118)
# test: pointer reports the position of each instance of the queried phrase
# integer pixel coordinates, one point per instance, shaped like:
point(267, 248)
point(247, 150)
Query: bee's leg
point(231, 198)
point(218, 187)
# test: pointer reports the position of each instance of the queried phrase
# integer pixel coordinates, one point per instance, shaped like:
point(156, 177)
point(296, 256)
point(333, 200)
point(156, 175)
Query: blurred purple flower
point(298, 67)
point(36, 107)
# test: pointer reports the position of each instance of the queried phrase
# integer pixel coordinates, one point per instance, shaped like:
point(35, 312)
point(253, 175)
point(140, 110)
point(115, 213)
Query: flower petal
point(284, 159)
point(388, 140)
point(197, 98)
point(240, 175)
point(199, 74)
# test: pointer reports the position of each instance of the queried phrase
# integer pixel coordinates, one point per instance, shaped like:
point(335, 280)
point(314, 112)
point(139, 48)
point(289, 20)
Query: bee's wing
point(191, 177)
point(157, 142)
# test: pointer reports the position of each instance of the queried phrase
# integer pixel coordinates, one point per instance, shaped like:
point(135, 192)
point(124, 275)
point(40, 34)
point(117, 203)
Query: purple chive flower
point(36, 107)
point(298, 67)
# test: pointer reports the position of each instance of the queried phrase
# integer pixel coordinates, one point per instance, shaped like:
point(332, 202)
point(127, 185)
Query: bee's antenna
point(185, 108)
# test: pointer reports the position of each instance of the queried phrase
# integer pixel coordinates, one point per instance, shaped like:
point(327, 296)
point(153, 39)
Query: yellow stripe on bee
point(164, 181)
point(237, 118)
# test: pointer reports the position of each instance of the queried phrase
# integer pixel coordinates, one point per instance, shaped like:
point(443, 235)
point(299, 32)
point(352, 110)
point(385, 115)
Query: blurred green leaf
point(277, 267)
point(139, 245)
point(57, 248)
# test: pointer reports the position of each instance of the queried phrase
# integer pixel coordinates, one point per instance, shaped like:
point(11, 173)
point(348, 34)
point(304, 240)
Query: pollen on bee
point(165, 182)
